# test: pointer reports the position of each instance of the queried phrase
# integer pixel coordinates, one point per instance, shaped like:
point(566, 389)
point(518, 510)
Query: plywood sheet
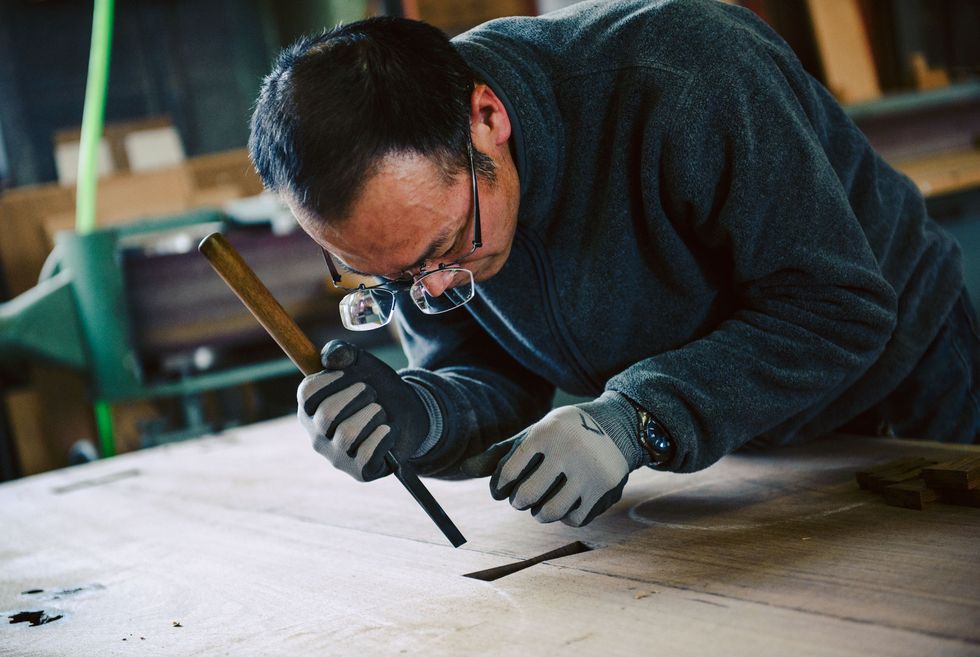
point(255, 546)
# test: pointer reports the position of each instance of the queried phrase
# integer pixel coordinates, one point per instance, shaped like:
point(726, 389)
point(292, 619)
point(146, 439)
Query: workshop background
point(124, 338)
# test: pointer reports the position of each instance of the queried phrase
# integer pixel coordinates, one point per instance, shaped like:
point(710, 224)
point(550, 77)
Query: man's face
point(408, 216)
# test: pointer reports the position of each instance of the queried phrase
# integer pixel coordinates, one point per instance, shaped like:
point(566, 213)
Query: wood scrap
point(912, 494)
point(961, 474)
point(893, 472)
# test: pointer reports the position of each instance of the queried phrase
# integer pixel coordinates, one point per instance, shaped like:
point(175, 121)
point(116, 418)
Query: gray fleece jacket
point(701, 229)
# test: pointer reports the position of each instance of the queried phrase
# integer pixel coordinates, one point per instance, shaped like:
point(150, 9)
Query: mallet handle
point(256, 296)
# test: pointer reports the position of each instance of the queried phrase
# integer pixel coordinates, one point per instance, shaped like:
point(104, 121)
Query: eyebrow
point(432, 249)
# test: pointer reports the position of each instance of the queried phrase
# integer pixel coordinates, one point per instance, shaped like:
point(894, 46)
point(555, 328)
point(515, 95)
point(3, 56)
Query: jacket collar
point(536, 129)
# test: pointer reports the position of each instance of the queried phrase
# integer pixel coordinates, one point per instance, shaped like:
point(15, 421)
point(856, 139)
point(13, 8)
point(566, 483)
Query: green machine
point(86, 314)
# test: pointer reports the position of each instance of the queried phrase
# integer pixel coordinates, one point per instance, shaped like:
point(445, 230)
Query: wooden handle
point(256, 296)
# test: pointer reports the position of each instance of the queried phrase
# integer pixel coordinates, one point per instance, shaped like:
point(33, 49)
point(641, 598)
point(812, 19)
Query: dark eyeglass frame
point(401, 286)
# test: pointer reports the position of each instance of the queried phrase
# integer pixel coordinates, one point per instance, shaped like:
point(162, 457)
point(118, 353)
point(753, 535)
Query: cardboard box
point(228, 168)
point(66, 160)
point(155, 148)
point(127, 198)
point(137, 145)
point(23, 242)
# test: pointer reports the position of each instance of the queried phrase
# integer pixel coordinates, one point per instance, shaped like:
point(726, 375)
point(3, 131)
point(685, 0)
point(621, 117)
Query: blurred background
point(123, 338)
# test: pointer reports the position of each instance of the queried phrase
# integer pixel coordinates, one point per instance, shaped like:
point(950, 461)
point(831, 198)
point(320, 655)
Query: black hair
point(336, 103)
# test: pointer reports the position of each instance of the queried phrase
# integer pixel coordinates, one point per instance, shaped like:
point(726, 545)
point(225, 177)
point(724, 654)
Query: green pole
point(103, 424)
point(93, 116)
point(93, 120)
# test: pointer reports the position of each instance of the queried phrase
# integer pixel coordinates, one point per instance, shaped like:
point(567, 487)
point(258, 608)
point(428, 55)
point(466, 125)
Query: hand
point(565, 467)
point(357, 409)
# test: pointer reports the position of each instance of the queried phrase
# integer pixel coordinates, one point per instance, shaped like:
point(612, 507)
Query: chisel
point(273, 317)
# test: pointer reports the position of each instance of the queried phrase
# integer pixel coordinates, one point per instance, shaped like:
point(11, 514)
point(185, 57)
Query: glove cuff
point(618, 419)
point(435, 419)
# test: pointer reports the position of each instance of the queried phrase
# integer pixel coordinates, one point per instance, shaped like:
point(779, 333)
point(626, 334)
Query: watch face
point(662, 447)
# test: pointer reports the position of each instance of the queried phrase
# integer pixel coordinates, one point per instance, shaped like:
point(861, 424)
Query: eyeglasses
point(449, 286)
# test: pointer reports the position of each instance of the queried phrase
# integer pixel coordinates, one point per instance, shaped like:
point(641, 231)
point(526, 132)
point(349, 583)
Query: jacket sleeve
point(484, 394)
point(745, 173)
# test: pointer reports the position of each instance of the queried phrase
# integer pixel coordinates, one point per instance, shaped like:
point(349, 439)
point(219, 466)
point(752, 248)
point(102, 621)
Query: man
point(649, 204)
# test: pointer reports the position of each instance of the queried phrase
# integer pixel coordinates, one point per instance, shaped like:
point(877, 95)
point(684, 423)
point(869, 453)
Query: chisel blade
point(414, 485)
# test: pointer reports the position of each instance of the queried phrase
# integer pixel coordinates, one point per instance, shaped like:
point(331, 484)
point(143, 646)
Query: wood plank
point(256, 546)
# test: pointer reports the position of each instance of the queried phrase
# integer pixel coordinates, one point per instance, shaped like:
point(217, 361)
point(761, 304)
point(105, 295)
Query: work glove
point(571, 465)
point(358, 408)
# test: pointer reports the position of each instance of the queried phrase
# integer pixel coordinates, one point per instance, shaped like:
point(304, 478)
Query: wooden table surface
point(248, 543)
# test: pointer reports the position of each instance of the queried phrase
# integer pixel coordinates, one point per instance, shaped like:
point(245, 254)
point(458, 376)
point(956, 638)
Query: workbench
point(249, 543)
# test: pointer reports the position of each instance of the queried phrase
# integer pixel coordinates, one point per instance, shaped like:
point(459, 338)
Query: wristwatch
point(653, 437)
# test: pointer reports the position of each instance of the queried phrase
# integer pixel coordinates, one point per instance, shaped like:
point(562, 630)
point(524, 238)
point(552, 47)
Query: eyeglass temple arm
point(334, 274)
point(477, 235)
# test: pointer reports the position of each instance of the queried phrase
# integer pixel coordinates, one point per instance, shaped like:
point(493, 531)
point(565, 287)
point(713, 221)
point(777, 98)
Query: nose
point(436, 283)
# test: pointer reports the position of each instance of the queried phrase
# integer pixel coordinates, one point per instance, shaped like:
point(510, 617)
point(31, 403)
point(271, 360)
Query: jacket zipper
point(558, 329)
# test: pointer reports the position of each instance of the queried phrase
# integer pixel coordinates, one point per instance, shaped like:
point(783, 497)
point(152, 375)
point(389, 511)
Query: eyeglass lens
point(442, 290)
point(365, 309)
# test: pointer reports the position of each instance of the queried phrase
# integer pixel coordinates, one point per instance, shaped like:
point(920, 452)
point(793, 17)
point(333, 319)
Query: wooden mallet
point(273, 317)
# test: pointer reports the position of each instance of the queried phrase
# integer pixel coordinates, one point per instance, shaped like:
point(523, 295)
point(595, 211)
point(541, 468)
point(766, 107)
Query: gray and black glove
point(571, 465)
point(358, 408)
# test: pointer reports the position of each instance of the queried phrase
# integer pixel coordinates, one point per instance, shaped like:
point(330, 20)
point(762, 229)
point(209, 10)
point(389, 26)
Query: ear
point(489, 121)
